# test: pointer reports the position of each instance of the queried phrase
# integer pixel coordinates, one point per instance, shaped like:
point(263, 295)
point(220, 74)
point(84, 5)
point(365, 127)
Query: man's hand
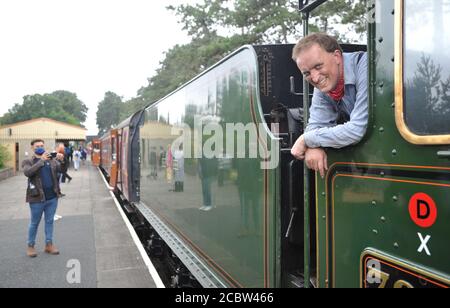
point(45, 156)
point(316, 159)
point(299, 148)
point(60, 157)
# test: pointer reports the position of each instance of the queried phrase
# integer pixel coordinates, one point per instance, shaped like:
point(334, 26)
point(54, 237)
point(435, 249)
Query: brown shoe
point(51, 249)
point(31, 252)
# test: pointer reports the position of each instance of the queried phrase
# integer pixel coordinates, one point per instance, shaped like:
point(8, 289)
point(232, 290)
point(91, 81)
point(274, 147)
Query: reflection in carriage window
point(426, 78)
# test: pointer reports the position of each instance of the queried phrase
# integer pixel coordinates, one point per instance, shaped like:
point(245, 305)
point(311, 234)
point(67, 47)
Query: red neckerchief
point(338, 93)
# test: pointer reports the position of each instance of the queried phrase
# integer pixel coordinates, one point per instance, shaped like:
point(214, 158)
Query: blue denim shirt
point(47, 182)
point(323, 130)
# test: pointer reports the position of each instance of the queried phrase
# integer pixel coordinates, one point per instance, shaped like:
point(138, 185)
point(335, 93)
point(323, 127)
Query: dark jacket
point(32, 172)
point(65, 164)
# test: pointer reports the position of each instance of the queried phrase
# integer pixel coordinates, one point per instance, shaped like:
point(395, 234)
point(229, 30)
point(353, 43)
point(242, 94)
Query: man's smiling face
point(320, 68)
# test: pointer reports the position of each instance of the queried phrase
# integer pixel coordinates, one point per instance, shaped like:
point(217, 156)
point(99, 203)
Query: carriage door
point(114, 159)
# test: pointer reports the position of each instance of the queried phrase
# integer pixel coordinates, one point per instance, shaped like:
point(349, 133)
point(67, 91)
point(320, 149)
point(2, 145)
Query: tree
point(61, 106)
point(445, 99)
point(109, 112)
point(4, 156)
point(183, 62)
point(218, 27)
point(71, 104)
point(201, 20)
point(259, 21)
point(427, 97)
point(341, 12)
point(266, 21)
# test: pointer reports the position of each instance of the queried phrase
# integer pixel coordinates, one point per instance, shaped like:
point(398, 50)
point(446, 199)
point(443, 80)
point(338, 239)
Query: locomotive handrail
point(293, 92)
point(306, 179)
point(444, 154)
point(294, 209)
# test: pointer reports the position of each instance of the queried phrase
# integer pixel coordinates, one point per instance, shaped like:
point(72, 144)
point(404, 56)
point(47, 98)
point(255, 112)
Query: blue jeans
point(49, 208)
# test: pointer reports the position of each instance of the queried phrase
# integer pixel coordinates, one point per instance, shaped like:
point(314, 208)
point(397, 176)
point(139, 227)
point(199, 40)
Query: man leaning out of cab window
point(339, 112)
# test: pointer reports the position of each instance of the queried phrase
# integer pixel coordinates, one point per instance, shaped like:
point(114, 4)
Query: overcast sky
point(83, 46)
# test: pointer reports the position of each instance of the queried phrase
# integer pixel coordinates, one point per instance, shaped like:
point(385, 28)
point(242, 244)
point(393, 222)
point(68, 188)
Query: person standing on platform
point(64, 164)
point(76, 160)
point(43, 192)
point(83, 156)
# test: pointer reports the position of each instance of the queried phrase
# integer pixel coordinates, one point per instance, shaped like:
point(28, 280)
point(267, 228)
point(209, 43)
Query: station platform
point(97, 249)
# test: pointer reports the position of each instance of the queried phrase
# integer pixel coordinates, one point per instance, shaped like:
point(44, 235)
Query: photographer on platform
point(43, 192)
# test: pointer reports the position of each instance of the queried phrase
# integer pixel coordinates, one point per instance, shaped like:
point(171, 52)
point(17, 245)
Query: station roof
point(42, 128)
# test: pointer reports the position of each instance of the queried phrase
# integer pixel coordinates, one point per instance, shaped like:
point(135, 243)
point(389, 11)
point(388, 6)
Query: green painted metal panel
point(369, 185)
point(237, 235)
point(378, 209)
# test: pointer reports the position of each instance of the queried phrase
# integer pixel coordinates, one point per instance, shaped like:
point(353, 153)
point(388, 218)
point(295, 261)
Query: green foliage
point(61, 106)
point(428, 97)
point(341, 12)
point(182, 63)
point(4, 156)
point(109, 112)
point(201, 20)
point(72, 105)
point(267, 21)
point(259, 21)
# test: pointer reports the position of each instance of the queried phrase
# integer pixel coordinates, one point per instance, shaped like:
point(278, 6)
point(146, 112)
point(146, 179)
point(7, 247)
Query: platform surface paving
point(96, 247)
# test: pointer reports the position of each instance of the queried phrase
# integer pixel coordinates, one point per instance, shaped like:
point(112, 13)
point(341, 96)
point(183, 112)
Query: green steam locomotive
point(230, 207)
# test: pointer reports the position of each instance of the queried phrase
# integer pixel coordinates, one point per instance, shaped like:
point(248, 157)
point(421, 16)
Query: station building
point(17, 137)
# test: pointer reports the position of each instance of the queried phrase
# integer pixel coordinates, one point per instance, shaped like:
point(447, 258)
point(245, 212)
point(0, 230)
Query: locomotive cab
point(282, 96)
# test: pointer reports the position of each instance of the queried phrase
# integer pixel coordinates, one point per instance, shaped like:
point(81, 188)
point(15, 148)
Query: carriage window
point(426, 69)
point(113, 149)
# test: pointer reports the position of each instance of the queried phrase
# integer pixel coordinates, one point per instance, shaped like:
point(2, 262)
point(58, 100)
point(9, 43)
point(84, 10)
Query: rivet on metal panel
point(381, 129)
point(395, 198)
point(324, 194)
point(374, 203)
point(381, 39)
point(382, 173)
point(394, 152)
point(383, 219)
point(375, 231)
point(324, 217)
point(396, 245)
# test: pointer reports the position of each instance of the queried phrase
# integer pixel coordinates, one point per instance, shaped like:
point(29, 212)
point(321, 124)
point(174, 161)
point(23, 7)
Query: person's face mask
point(39, 150)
